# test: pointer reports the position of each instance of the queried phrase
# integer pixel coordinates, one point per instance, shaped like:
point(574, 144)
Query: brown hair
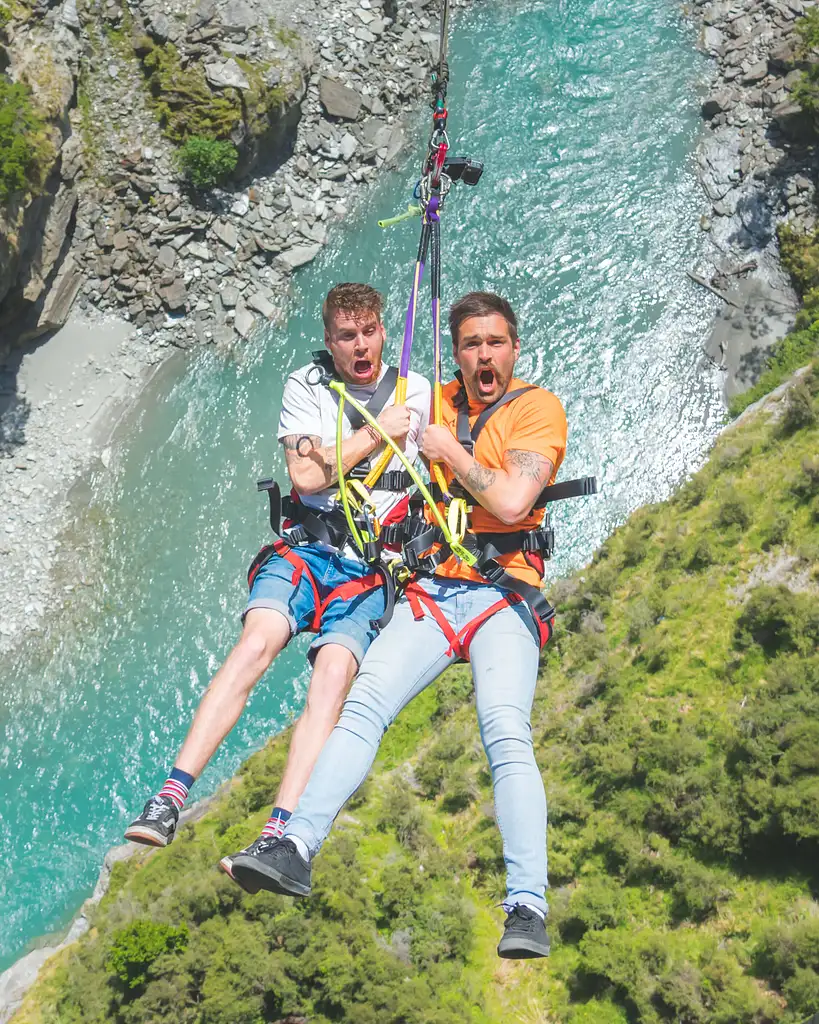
point(355, 299)
point(480, 304)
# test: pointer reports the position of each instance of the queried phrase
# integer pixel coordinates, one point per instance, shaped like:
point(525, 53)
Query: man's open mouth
point(362, 367)
point(486, 381)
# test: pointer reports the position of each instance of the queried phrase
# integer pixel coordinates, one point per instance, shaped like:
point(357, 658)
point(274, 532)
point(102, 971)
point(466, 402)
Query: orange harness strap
point(459, 643)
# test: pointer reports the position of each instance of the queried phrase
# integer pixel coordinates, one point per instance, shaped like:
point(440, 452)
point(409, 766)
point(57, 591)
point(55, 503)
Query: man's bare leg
point(333, 672)
point(266, 632)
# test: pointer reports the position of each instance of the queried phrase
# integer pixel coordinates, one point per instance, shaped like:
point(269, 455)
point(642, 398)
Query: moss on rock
point(187, 106)
point(183, 100)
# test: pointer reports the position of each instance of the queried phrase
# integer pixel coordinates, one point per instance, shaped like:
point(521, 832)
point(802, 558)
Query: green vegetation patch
point(806, 90)
point(207, 162)
point(25, 150)
point(188, 108)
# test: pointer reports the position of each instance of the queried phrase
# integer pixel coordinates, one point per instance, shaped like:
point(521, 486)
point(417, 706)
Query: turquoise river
point(586, 115)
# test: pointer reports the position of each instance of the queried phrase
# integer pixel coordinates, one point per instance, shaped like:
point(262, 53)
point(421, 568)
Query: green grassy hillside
point(677, 727)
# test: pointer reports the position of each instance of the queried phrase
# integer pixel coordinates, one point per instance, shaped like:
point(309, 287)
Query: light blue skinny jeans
point(409, 655)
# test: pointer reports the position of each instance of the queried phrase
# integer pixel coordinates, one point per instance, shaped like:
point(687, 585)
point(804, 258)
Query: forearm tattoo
point(308, 448)
point(477, 478)
point(531, 465)
point(302, 444)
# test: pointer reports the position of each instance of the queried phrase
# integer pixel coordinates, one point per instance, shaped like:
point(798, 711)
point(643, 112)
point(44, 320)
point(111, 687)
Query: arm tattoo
point(302, 448)
point(531, 465)
point(301, 444)
point(478, 478)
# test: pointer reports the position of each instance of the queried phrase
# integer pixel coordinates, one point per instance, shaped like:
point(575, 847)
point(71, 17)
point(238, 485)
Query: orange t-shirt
point(534, 422)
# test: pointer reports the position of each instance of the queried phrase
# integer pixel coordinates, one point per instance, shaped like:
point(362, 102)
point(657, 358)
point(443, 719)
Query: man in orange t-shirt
point(516, 453)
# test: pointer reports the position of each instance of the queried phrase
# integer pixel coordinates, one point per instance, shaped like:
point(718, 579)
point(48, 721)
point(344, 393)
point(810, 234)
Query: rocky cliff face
point(311, 95)
point(758, 167)
point(41, 51)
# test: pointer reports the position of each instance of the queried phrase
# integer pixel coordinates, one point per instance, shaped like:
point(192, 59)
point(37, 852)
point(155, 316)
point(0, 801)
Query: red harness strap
point(459, 643)
point(349, 590)
point(345, 592)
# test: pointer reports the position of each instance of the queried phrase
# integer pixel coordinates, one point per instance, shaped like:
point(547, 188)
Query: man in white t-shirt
point(313, 579)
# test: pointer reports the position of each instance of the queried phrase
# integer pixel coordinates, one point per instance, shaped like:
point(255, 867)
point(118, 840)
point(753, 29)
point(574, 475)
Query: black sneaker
point(156, 826)
point(524, 935)
point(226, 864)
point(272, 864)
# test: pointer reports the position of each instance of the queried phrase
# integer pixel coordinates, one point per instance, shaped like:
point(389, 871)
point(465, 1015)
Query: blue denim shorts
point(348, 623)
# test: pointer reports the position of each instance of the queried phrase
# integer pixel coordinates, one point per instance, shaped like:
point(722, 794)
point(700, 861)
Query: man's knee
point(330, 682)
point(505, 724)
point(257, 647)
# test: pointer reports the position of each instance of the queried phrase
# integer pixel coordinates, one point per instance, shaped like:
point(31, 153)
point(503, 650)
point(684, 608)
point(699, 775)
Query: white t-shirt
point(312, 409)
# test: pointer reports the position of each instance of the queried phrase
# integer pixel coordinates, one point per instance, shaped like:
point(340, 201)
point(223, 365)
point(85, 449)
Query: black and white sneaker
point(156, 826)
point(226, 864)
point(272, 864)
point(524, 935)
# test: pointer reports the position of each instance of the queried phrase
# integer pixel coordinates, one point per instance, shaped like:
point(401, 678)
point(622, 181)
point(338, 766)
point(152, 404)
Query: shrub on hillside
point(400, 811)
point(799, 411)
point(184, 103)
point(807, 484)
point(789, 955)
point(807, 28)
point(24, 148)
point(778, 621)
point(777, 531)
point(659, 982)
point(433, 766)
point(734, 510)
point(207, 162)
point(702, 555)
point(459, 789)
point(137, 946)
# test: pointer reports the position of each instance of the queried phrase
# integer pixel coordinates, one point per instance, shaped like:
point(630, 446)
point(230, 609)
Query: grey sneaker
point(524, 935)
point(156, 826)
point(272, 864)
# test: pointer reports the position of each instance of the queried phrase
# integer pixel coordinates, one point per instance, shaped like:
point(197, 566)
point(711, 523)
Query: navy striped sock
point(177, 786)
point(274, 826)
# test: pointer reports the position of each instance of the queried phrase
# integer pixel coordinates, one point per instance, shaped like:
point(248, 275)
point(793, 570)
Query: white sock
point(300, 845)
point(509, 907)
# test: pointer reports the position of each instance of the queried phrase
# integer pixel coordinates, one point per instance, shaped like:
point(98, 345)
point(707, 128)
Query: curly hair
point(480, 304)
point(354, 299)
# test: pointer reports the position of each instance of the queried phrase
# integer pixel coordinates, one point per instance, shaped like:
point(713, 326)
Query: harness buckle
point(403, 574)
point(492, 571)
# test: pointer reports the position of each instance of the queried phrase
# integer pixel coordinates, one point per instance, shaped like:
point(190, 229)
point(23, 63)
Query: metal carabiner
point(361, 498)
point(457, 519)
point(321, 376)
